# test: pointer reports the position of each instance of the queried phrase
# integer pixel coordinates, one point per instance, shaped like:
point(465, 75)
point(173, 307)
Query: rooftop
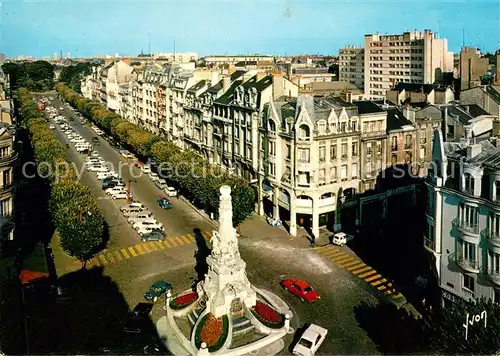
point(396, 119)
point(367, 107)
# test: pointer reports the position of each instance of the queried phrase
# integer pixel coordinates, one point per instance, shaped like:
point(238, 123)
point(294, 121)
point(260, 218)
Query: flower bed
point(183, 301)
point(212, 331)
point(268, 316)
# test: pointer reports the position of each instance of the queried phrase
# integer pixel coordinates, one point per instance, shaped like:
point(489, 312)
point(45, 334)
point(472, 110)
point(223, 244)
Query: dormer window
point(468, 183)
point(304, 132)
point(322, 128)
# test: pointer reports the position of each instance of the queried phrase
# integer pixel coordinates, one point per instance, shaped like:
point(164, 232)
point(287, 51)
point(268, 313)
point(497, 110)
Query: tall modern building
point(410, 57)
point(463, 216)
point(352, 66)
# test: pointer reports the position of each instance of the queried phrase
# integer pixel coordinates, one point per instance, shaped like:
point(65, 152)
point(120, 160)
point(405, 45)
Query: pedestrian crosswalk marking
point(333, 253)
point(389, 292)
point(108, 257)
point(103, 259)
point(364, 269)
point(380, 281)
point(369, 273)
point(118, 257)
point(342, 258)
point(350, 264)
point(346, 261)
point(382, 287)
point(146, 247)
point(373, 278)
point(356, 267)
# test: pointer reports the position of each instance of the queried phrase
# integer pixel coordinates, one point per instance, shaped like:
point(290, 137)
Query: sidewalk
point(64, 263)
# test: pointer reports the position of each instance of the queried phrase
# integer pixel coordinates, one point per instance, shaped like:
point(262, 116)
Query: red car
point(301, 289)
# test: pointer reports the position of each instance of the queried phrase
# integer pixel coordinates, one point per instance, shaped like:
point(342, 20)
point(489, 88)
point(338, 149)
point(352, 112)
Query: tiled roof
point(475, 110)
point(197, 86)
point(227, 97)
point(216, 88)
point(488, 157)
point(235, 75)
point(367, 107)
point(494, 93)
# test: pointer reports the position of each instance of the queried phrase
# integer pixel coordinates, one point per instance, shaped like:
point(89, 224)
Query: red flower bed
point(211, 330)
point(267, 313)
point(183, 300)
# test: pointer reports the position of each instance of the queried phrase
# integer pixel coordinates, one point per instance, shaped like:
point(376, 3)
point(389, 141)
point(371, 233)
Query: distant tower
point(60, 55)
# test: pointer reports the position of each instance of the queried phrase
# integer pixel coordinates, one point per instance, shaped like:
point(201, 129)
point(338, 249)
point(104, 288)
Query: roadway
point(268, 259)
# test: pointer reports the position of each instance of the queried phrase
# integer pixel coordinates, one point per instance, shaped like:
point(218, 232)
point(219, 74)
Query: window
point(322, 176)
point(303, 178)
point(288, 152)
point(333, 152)
point(272, 148)
point(394, 159)
point(304, 131)
point(469, 252)
point(343, 173)
point(468, 282)
point(394, 143)
point(354, 171)
point(272, 127)
point(430, 238)
point(468, 215)
point(369, 149)
point(5, 207)
point(494, 224)
point(343, 150)
point(4, 151)
point(423, 136)
point(322, 151)
point(272, 169)
point(304, 155)
point(408, 142)
point(431, 203)
point(496, 296)
point(379, 147)
point(422, 152)
point(493, 263)
point(468, 183)
point(369, 169)
point(354, 149)
point(322, 128)
point(6, 177)
point(333, 174)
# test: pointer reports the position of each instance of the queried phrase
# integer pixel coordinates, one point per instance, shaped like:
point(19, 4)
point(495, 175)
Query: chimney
point(226, 83)
point(260, 75)
point(473, 150)
point(214, 78)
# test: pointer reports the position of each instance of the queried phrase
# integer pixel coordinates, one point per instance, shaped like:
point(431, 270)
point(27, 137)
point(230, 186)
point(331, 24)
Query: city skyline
point(89, 28)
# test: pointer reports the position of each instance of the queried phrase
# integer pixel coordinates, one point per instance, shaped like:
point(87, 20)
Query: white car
point(52, 126)
point(310, 341)
point(120, 195)
point(170, 191)
point(153, 176)
point(96, 168)
point(102, 175)
point(134, 204)
point(144, 225)
point(146, 169)
point(115, 190)
point(140, 216)
point(126, 154)
point(339, 239)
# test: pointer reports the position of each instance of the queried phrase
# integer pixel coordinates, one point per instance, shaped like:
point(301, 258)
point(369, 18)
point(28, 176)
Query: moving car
point(301, 289)
point(170, 191)
point(164, 203)
point(138, 319)
point(310, 341)
point(157, 290)
point(154, 235)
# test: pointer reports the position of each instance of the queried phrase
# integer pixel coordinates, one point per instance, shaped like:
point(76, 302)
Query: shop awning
point(30, 276)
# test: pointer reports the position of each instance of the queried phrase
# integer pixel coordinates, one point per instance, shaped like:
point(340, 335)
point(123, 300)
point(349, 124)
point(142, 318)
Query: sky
point(281, 27)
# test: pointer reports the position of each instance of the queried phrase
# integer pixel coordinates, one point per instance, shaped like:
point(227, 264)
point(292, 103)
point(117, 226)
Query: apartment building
point(309, 160)
point(352, 66)
point(232, 60)
point(119, 73)
point(412, 93)
point(463, 217)
point(410, 57)
point(486, 96)
point(6, 104)
point(465, 121)
point(8, 158)
point(473, 65)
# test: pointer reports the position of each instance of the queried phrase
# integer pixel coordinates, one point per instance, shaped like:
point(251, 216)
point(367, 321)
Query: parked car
point(161, 183)
point(339, 239)
point(310, 341)
point(110, 183)
point(141, 216)
point(52, 126)
point(131, 211)
point(301, 289)
point(153, 176)
point(115, 190)
point(147, 225)
point(157, 290)
point(154, 235)
point(120, 195)
point(164, 203)
point(133, 204)
point(126, 154)
point(146, 169)
point(170, 191)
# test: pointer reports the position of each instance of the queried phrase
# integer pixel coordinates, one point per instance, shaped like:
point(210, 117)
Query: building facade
point(352, 66)
point(486, 96)
point(463, 217)
point(8, 159)
point(410, 57)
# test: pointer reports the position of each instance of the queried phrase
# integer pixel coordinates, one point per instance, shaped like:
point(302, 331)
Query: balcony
point(8, 159)
point(430, 244)
point(465, 264)
point(465, 227)
point(493, 276)
point(492, 236)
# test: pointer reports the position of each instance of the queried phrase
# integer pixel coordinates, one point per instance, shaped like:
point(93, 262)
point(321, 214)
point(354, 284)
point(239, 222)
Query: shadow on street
point(201, 254)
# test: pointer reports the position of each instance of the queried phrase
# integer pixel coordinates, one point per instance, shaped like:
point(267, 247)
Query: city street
point(269, 259)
